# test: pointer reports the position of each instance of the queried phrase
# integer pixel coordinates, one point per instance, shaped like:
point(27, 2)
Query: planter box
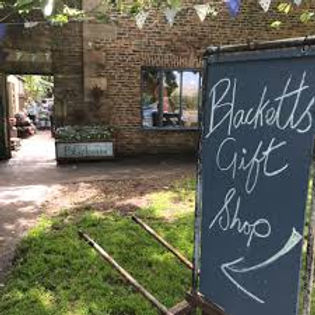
point(84, 151)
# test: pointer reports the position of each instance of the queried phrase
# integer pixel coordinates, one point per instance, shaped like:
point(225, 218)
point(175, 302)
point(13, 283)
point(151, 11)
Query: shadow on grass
point(122, 195)
point(57, 273)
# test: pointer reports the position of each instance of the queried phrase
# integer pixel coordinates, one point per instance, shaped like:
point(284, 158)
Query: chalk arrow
point(230, 267)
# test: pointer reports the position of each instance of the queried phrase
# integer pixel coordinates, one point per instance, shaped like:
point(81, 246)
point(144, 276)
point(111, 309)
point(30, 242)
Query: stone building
point(146, 82)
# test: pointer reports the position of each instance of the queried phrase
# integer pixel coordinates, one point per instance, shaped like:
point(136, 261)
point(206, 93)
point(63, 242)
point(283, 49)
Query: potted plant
point(81, 143)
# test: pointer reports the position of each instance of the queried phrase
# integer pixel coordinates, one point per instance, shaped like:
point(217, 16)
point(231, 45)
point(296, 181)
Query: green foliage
point(285, 7)
point(174, 3)
point(56, 273)
point(59, 19)
point(288, 8)
point(306, 16)
point(63, 13)
point(135, 8)
point(83, 133)
point(276, 24)
point(37, 87)
point(66, 15)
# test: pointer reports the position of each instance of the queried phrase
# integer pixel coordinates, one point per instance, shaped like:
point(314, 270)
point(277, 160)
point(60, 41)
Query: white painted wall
point(16, 94)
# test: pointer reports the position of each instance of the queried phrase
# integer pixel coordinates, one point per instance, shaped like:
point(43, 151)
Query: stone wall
point(68, 72)
point(26, 50)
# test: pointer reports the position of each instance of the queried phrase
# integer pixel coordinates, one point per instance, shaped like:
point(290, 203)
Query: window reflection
point(190, 98)
point(150, 96)
point(170, 98)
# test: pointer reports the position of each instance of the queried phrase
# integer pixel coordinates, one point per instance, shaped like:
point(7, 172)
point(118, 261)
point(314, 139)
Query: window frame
point(161, 71)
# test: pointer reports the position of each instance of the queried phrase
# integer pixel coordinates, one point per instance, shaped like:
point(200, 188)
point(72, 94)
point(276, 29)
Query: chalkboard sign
point(258, 113)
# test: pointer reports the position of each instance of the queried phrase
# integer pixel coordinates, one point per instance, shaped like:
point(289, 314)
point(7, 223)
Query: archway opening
point(30, 110)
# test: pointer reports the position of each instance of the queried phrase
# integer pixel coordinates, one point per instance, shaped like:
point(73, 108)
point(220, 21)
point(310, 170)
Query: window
point(170, 98)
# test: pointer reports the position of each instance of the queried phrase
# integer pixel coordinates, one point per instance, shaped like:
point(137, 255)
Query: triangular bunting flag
point(3, 30)
point(141, 18)
point(234, 6)
point(298, 2)
point(265, 4)
point(202, 10)
point(170, 14)
point(49, 7)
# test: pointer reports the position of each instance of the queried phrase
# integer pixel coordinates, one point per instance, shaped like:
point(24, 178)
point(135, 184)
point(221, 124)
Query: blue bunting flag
point(3, 31)
point(234, 6)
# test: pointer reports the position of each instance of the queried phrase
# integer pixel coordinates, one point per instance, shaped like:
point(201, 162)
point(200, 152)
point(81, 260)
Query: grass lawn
point(56, 273)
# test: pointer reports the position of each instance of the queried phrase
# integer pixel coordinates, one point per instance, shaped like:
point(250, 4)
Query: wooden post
point(162, 241)
point(182, 308)
point(309, 272)
point(197, 300)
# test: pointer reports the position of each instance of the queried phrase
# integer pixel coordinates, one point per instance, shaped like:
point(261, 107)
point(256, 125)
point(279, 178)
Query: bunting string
point(234, 7)
point(202, 10)
point(170, 13)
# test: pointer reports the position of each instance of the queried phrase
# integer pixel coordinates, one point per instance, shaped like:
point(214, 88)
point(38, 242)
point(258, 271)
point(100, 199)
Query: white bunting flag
point(202, 10)
point(170, 14)
point(298, 2)
point(30, 24)
point(33, 57)
point(265, 4)
point(141, 18)
point(49, 7)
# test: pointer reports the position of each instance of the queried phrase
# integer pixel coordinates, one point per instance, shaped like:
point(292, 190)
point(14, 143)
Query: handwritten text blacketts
point(233, 159)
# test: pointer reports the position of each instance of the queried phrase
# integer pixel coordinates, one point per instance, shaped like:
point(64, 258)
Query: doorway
point(30, 113)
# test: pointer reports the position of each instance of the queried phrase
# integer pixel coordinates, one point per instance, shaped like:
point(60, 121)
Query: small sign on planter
point(69, 151)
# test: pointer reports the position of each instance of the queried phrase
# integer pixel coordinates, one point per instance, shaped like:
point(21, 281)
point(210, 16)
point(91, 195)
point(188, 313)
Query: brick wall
point(126, 48)
point(85, 55)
